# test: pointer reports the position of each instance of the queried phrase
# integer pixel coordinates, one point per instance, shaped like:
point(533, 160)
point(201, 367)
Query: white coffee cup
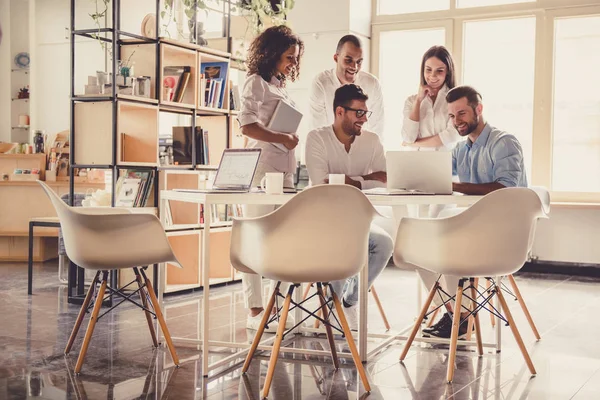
point(337, 179)
point(272, 183)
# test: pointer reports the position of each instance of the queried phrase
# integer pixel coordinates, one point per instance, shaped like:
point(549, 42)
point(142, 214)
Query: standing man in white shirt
point(345, 148)
point(348, 58)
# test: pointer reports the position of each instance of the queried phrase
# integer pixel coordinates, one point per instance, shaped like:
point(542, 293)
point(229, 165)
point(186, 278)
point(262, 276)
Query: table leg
point(205, 265)
point(30, 261)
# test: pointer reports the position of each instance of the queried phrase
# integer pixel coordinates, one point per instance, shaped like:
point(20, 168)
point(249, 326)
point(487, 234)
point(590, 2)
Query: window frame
point(545, 12)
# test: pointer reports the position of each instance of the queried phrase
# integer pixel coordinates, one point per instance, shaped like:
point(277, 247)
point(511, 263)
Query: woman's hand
point(290, 140)
point(424, 91)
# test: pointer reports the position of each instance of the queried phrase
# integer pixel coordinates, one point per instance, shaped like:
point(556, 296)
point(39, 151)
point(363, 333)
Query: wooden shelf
point(38, 232)
point(207, 167)
point(192, 46)
point(211, 111)
point(175, 56)
point(137, 141)
point(185, 106)
point(143, 56)
point(93, 129)
point(137, 98)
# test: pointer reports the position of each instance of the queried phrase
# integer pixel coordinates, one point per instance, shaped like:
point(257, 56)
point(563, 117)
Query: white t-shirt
point(325, 155)
point(322, 93)
point(258, 101)
point(433, 120)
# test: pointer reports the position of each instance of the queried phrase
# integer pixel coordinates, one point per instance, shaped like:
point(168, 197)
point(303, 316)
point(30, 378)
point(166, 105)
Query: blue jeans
point(381, 247)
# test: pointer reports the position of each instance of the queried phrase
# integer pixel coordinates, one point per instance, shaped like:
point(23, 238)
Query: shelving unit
point(117, 131)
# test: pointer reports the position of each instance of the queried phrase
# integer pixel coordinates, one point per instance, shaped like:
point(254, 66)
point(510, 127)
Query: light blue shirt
point(496, 156)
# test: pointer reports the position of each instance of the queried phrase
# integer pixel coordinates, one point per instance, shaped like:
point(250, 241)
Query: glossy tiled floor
point(121, 363)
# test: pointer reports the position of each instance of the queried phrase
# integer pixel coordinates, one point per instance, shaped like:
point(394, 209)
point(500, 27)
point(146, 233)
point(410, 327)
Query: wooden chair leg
point(277, 343)
point(161, 320)
point(515, 331)
point(319, 312)
point(380, 307)
point(82, 311)
point(471, 322)
point(91, 323)
point(488, 284)
point(474, 284)
point(261, 329)
point(511, 279)
point(350, 340)
point(415, 330)
point(306, 291)
point(432, 317)
point(144, 300)
point(330, 338)
point(454, 335)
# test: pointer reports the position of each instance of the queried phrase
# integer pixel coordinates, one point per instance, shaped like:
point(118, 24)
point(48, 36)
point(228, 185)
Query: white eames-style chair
point(321, 235)
point(489, 239)
point(544, 196)
point(104, 239)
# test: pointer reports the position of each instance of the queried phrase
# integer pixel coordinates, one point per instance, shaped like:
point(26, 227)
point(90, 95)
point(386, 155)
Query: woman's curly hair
point(266, 50)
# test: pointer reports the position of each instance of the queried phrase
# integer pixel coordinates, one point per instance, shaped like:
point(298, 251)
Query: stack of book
point(182, 145)
point(213, 84)
point(134, 188)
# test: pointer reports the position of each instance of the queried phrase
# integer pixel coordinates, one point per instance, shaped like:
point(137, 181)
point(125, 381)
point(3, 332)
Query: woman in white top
point(273, 58)
point(427, 127)
point(426, 124)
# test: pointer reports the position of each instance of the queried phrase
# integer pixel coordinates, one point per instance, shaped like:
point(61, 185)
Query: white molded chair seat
point(320, 235)
point(491, 238)
point(544, 196)
point(104, 239)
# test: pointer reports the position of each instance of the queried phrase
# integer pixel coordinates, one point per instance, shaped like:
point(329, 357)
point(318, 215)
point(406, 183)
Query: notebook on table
point(235, 173)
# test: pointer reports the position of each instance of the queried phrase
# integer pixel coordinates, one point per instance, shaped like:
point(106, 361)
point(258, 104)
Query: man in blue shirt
point(490, 158)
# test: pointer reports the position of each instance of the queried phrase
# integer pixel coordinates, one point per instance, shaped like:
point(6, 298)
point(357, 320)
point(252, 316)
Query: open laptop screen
point(236, 169)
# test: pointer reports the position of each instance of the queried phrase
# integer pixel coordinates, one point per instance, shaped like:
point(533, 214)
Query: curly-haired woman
point(273, 58)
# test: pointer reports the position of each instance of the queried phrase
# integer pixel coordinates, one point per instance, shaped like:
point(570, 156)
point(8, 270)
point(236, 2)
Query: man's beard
point(350, 129)
point(471, 126)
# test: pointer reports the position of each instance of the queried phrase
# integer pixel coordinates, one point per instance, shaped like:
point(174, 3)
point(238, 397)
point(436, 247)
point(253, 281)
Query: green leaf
point(162, 14)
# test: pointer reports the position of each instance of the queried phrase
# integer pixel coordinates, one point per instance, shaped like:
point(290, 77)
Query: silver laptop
point(235, 173)
point(419, 172)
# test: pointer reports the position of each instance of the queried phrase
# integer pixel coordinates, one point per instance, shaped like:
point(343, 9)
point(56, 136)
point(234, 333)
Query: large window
point(411, 6)
point(400, 56)
point(576, 105)
point(533, 61)
point(501, 68)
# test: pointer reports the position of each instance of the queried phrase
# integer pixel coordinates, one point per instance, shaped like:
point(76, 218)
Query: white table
point(209, 199)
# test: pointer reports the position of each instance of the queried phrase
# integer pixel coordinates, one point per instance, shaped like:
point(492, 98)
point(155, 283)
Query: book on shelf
point(205, 147)
point(134, 188)
point(127, 192)
point(217, 72)
point(182, 145)
point(234, 97)
point(175, 81)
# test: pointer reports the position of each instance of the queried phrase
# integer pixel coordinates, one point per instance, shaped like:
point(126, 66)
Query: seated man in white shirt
point(348, 58)
point(345, 148)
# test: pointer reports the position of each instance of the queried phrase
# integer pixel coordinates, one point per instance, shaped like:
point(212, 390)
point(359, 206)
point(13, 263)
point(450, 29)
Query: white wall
point(51, 78)
point(5, 65)
point(569, 235)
